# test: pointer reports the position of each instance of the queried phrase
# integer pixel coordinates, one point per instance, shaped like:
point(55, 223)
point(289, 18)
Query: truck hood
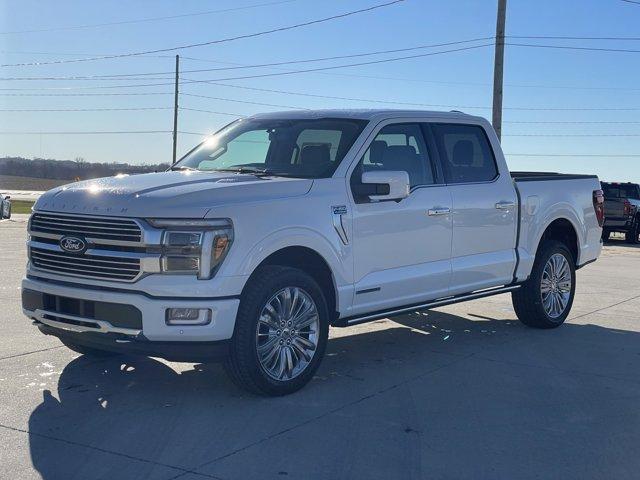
point(168, 194)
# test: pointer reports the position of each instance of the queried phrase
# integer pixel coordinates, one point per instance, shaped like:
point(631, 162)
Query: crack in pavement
point(29, 353)
point(183, 471)
point(325, 414)
point(604, 308)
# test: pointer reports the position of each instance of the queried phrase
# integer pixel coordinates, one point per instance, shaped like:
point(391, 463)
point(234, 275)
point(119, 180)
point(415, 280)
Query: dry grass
point(21, 206)
point(9, 182)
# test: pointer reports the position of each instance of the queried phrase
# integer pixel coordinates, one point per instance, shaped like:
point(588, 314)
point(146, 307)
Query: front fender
point(336, 255)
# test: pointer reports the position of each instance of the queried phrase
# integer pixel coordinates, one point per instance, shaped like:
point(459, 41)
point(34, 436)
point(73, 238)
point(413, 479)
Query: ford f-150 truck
point(283, 224)
point(622, 210)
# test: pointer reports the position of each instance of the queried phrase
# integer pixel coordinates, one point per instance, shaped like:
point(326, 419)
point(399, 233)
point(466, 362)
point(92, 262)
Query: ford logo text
point(73, 244)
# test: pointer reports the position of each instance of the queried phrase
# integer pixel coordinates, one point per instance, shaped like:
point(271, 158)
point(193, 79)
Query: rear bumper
point(114, 313)
point(618, 223)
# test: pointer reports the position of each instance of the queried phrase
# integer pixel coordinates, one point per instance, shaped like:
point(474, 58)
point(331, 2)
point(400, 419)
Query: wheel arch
point(563, 230)
point(310, 253)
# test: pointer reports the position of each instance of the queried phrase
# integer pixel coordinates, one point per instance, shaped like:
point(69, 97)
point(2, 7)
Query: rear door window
point(465, 153)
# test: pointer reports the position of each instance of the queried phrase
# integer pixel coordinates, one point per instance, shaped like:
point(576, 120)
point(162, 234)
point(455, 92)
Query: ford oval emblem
point(75, 245)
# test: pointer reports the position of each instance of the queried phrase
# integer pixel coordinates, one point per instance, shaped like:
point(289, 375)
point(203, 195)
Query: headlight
point(194, 246)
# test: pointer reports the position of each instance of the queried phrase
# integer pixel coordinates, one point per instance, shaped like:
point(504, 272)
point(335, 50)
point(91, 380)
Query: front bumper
point(118, 343)
point(152, 327)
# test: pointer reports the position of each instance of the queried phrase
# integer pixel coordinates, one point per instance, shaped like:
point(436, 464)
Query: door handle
point(505, 205)
point(434, 212)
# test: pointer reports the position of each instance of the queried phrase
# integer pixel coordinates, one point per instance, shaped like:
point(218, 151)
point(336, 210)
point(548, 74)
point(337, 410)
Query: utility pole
point(498, 68)
point(175, 111)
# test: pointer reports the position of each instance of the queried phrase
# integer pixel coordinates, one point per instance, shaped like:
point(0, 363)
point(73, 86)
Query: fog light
point(180, 264)
point(188, 316)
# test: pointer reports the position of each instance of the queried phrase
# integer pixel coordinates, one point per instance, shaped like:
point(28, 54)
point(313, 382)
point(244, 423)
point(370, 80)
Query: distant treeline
point(70, 169)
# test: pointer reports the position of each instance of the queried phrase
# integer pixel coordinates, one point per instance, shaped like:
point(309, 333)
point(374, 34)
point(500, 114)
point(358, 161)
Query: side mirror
point(386, 185)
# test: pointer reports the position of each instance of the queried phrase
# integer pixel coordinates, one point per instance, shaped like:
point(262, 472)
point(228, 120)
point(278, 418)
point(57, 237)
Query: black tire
point(88, 351)
point(242, 364)
point(527, 300)
point(633, 235)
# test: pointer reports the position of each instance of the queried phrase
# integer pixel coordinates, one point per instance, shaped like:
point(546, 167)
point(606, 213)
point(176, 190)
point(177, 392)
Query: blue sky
point(535, 78)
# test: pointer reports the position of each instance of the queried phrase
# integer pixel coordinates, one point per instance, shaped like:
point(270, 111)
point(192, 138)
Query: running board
point(369, 317)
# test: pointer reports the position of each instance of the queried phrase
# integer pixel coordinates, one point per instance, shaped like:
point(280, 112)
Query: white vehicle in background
point(283, 224)
point(5, 206)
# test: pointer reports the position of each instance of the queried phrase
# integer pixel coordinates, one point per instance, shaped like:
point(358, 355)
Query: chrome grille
point(100, 267)
point(92, 228)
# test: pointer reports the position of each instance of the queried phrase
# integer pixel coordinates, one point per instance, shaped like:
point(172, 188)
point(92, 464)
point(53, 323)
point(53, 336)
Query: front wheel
point(545, 299)
point(281, 332)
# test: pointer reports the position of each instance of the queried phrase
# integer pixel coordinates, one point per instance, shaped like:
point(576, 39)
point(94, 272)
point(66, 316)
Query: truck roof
point(364, 114)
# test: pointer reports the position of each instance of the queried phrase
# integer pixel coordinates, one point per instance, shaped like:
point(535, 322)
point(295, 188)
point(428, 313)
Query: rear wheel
point(281, 332)
point(545, 300)
point(633, 234)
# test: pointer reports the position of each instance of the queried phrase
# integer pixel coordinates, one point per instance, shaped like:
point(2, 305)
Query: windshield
point(309, 148)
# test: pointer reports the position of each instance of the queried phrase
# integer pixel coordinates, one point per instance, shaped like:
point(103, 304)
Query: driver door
point(402, 249)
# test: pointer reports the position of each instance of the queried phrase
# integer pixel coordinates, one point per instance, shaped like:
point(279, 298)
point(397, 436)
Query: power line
point(288, 72)
point(123, 132)
point(333, 67)
point(142, 20)
point(83, 109)
point(631, 1)
point(106, 78)
point(91, 87)
point(565, 37)
point(82, 94)
point(260, 65)
point(200, 134)
point(573, 135)
point(213, 42)
point(242, 101)
point(391, 102)
point(568, 47)
point(571, 122)
point(211, 111)
point(603, 155)
point(332, 97)
point(124, 77)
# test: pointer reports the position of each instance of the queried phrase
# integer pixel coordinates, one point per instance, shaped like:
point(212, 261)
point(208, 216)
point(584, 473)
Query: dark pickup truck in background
point(622, 210)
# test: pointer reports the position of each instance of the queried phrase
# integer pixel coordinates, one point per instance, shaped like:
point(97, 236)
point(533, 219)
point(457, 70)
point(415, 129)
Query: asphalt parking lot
point(463, 391)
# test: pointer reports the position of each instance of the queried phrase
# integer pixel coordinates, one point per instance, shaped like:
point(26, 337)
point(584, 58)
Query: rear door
point(401, 248)
point(484, 208)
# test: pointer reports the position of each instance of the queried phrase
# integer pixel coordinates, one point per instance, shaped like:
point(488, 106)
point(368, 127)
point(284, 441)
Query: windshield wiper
point(183, 167)
point(247, 169)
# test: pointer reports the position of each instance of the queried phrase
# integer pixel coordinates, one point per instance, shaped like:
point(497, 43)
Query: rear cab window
point(465, 153)
point(616, 190)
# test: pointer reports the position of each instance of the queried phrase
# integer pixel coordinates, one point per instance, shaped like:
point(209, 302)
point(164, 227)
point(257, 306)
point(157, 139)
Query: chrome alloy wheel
point(555, 286)
point(287, 333)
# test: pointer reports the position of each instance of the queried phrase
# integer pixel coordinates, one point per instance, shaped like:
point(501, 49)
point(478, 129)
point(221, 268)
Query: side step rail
point(369, 317)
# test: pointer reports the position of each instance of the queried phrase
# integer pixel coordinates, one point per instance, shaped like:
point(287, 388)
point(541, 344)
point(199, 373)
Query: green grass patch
point(21, 206)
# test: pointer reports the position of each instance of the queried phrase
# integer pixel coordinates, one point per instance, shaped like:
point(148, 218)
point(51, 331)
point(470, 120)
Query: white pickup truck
point(283, 224)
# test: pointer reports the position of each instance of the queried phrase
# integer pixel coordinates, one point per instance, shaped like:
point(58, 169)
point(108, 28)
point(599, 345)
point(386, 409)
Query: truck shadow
point(430, 389)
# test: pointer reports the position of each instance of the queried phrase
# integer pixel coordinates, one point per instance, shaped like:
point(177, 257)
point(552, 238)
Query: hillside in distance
point(57, 172)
